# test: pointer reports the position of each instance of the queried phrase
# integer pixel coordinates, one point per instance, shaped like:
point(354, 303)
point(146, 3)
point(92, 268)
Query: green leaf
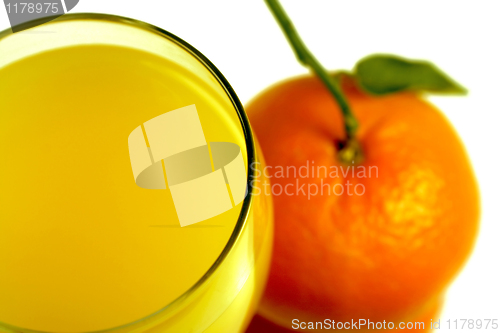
point(383, 74)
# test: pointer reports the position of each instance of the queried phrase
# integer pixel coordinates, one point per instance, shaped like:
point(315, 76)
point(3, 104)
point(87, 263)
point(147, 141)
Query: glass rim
point(245, 124)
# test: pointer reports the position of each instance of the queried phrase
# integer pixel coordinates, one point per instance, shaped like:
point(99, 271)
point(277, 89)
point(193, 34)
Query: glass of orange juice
point(125, 194)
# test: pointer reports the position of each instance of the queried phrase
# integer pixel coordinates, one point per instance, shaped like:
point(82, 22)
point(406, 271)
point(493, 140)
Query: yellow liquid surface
point(82, 247)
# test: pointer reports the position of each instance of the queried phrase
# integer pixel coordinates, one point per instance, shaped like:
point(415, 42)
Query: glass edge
point(249, 143)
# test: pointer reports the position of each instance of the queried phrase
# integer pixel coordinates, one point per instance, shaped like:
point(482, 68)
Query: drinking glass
point(224, 297)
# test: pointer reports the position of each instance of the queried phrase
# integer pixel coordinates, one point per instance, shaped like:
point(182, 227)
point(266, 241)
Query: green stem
point(308, 60)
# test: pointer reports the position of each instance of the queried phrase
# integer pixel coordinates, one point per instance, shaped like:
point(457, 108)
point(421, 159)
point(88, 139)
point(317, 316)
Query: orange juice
point(82, 247)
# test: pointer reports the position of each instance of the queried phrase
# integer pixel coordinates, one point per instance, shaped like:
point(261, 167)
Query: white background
point(242, 39)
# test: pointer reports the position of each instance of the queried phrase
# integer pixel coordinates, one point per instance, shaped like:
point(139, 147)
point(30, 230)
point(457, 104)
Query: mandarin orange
point(387, 251)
